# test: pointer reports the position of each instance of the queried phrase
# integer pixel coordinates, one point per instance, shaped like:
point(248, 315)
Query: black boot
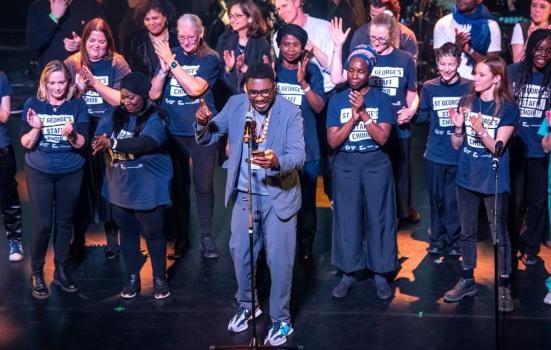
point(132, 286)
point(38, 285)
point(63, 279)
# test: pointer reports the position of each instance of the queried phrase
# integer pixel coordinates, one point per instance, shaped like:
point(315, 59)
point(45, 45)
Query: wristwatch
point(174, 64)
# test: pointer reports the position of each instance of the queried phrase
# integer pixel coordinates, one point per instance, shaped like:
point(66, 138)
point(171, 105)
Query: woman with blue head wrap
point(359, 122)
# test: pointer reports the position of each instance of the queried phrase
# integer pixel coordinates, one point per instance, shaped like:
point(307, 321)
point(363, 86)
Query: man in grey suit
point(278, 154)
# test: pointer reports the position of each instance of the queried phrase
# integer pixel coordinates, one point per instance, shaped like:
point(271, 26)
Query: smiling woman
point(54, 127)
point(530, 79)
point(540, 10)
point(243, 43)
point(97, 70)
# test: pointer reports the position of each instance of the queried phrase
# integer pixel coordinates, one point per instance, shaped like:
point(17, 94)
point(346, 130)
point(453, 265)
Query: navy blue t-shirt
point(142, 183)
point(395, 74)
point(180, 106)
point(436, 98)
point(288, 87)
point(377, 105)
point(53, 154)
point(474, 171)
point(5, 90)
point(531, 111)
point(109, 71)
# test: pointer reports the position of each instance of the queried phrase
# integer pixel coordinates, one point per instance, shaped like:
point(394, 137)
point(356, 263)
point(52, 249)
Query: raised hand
point(240, 63)
point(67, 129)
point(164, 66)
point(462, 39)
point(162, 49)
point(229, 59)
point(58, 7)
point(33, 119)
point(87, 76)
point(457, 118)
point(203, 114)
point(476, 123)
point(337, 34)
point(356, 100)
point(301, 71)
point(72, 44)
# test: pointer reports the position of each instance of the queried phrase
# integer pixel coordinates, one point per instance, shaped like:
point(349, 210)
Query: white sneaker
point(547, 299)
point(16, 250)
point(278, 333)
point(240, 321)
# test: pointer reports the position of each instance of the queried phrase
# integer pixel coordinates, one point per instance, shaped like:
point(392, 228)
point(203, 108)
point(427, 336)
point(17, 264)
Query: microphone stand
point(254, 343)
point(495, 167)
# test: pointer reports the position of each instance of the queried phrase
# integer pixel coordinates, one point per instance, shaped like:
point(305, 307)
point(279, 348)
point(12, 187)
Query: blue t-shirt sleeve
point(209, 69)
point(544, 128)
point(5, 89)
point(386, 114)
point(510, 116)
point(155, 128)
point(316, 80)
point(82, 112)
point(104, 126)
point(333, 112)
point(424, 106)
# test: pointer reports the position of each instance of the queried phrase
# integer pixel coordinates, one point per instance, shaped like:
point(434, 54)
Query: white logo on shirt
point(291, 92)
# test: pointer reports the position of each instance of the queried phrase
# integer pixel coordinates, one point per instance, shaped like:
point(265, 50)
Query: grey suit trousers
point(278, 238)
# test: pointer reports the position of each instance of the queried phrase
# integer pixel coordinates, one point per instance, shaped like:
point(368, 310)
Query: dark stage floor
point(202, 302)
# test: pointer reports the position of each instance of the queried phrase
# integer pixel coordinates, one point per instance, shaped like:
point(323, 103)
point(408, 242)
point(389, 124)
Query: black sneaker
point(161, 288)
point(38, 285)
point(132, 287)
point(463, 288)
point(208, 248)
point(505, 301)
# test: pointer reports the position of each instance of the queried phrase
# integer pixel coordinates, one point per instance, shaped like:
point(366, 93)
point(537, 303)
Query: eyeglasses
point(236, 15)
point(191, 38)
point(542, 51)
point(380, 39)
point(263, 93)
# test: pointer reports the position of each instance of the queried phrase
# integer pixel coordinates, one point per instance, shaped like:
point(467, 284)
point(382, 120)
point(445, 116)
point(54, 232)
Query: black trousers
point(183, 149)
point(468, 203)
point(399, 152)
point(444, 217)
point(151, 224)
point(53, 201)
point(529, 202)
point(9, 198)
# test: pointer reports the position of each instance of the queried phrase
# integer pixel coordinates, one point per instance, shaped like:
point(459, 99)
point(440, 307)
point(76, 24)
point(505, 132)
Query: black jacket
point(140, 54)
point(254, 50)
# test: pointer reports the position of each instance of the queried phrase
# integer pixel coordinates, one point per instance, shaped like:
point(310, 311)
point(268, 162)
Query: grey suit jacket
point(285, 137)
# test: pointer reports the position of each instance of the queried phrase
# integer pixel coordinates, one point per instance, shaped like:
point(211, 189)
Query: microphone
point(248, 126)
point(497, 154)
